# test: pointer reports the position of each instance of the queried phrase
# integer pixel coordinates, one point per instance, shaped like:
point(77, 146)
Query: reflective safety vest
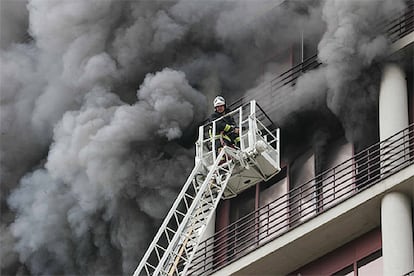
point(221, 135)
point(224, 128)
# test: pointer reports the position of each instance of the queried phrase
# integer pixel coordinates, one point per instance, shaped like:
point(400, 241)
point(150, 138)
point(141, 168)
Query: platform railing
point(306, 201)
point(332, 187)
point(251, 122)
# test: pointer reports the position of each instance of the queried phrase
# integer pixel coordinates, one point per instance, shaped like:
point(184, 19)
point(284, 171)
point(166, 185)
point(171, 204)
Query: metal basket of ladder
point(216, 175)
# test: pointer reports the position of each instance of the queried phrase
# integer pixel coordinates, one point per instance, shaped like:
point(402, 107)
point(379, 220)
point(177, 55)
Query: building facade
point(344, 210)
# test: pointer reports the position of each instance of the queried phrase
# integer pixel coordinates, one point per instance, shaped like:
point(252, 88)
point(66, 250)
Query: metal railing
point(253, 139)
point(403, 24)
point(395, 29)
point(288, 77)
point(246, 116)
point(325, 191)
point(411, 273)
point(305, 202)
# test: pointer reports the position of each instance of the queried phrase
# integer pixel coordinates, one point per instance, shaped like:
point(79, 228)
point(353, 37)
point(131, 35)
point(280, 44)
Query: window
point(347, 271)
point(243, 216)
point(336, 183)
point(242, 223)
point(273, 203)
point(302, 188)
point(368, 266)
point(371, 265)
point(360, 257)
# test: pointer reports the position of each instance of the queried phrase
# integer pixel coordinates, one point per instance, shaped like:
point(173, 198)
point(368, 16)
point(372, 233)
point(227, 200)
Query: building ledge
point(405, 41)
point(338, 225)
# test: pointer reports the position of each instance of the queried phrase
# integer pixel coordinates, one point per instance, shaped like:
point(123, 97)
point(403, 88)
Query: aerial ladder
point(216, 174)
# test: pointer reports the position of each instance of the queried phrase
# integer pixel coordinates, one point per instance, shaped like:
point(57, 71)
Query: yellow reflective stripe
point(218, 136)
point(210, 133)
point(227, 138)
point(227, 128)
point(237, 139)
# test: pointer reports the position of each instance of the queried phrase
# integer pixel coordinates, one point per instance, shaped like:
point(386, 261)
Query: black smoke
point(97, 97)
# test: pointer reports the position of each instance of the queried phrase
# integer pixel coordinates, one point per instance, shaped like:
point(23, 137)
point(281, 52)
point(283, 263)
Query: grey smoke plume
point(95, 103)
point(13, 22)
point(96, 173)
point(355, 38)
point(347, 82)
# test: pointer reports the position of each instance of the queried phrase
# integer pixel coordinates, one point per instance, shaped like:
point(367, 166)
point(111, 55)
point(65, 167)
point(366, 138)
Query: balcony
point(400, 34)
point(341, 204)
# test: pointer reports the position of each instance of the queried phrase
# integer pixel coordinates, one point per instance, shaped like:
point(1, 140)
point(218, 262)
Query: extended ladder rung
point(179, 212)
point(190, 223)
point(160, 247)
point(166, 232)
point(177, 240)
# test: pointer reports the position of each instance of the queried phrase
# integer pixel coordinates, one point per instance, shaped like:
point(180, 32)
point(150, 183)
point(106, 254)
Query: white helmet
point(219, 100)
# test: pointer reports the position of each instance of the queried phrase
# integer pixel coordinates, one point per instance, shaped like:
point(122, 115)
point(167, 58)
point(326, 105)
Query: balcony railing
point(325, 191)
point(305, 202)
point(397, 28)
point(402, 25)
point(288, 77)
point(411, 273)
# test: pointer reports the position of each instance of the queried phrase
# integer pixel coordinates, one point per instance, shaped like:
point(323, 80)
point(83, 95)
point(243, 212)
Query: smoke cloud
point(98, 99)
point(13, 22)
point(344, 88)
point(97, 173)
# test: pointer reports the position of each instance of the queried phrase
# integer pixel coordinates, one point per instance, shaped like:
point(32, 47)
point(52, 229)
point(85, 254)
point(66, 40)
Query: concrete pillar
point(393, 103)
point(397, 234)
point(210, 228)
point(393, 117)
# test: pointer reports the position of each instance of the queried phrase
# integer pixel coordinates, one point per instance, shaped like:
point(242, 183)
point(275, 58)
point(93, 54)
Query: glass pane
point(243, 231)
point(337, 184)
point(371, 265)
point(273, 214)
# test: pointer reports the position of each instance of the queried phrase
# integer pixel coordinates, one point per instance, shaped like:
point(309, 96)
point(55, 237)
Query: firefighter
point(227, 133)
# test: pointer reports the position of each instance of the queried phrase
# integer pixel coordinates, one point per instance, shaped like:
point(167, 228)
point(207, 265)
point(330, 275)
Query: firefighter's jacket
point(224, 127)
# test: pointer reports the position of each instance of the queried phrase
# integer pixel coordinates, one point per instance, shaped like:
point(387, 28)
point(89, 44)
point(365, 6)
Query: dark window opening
point(302, 190)
point(239, 223)
point(349, 270)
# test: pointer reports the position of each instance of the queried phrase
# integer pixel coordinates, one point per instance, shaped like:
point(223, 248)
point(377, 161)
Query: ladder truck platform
point(217, 174)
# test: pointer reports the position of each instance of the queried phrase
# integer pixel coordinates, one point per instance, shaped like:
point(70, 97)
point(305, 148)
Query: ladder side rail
point(214, 203)
point(188, 219)
point(184, 221)
point(204, 210)
point(167, 220)
point(190, 224)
